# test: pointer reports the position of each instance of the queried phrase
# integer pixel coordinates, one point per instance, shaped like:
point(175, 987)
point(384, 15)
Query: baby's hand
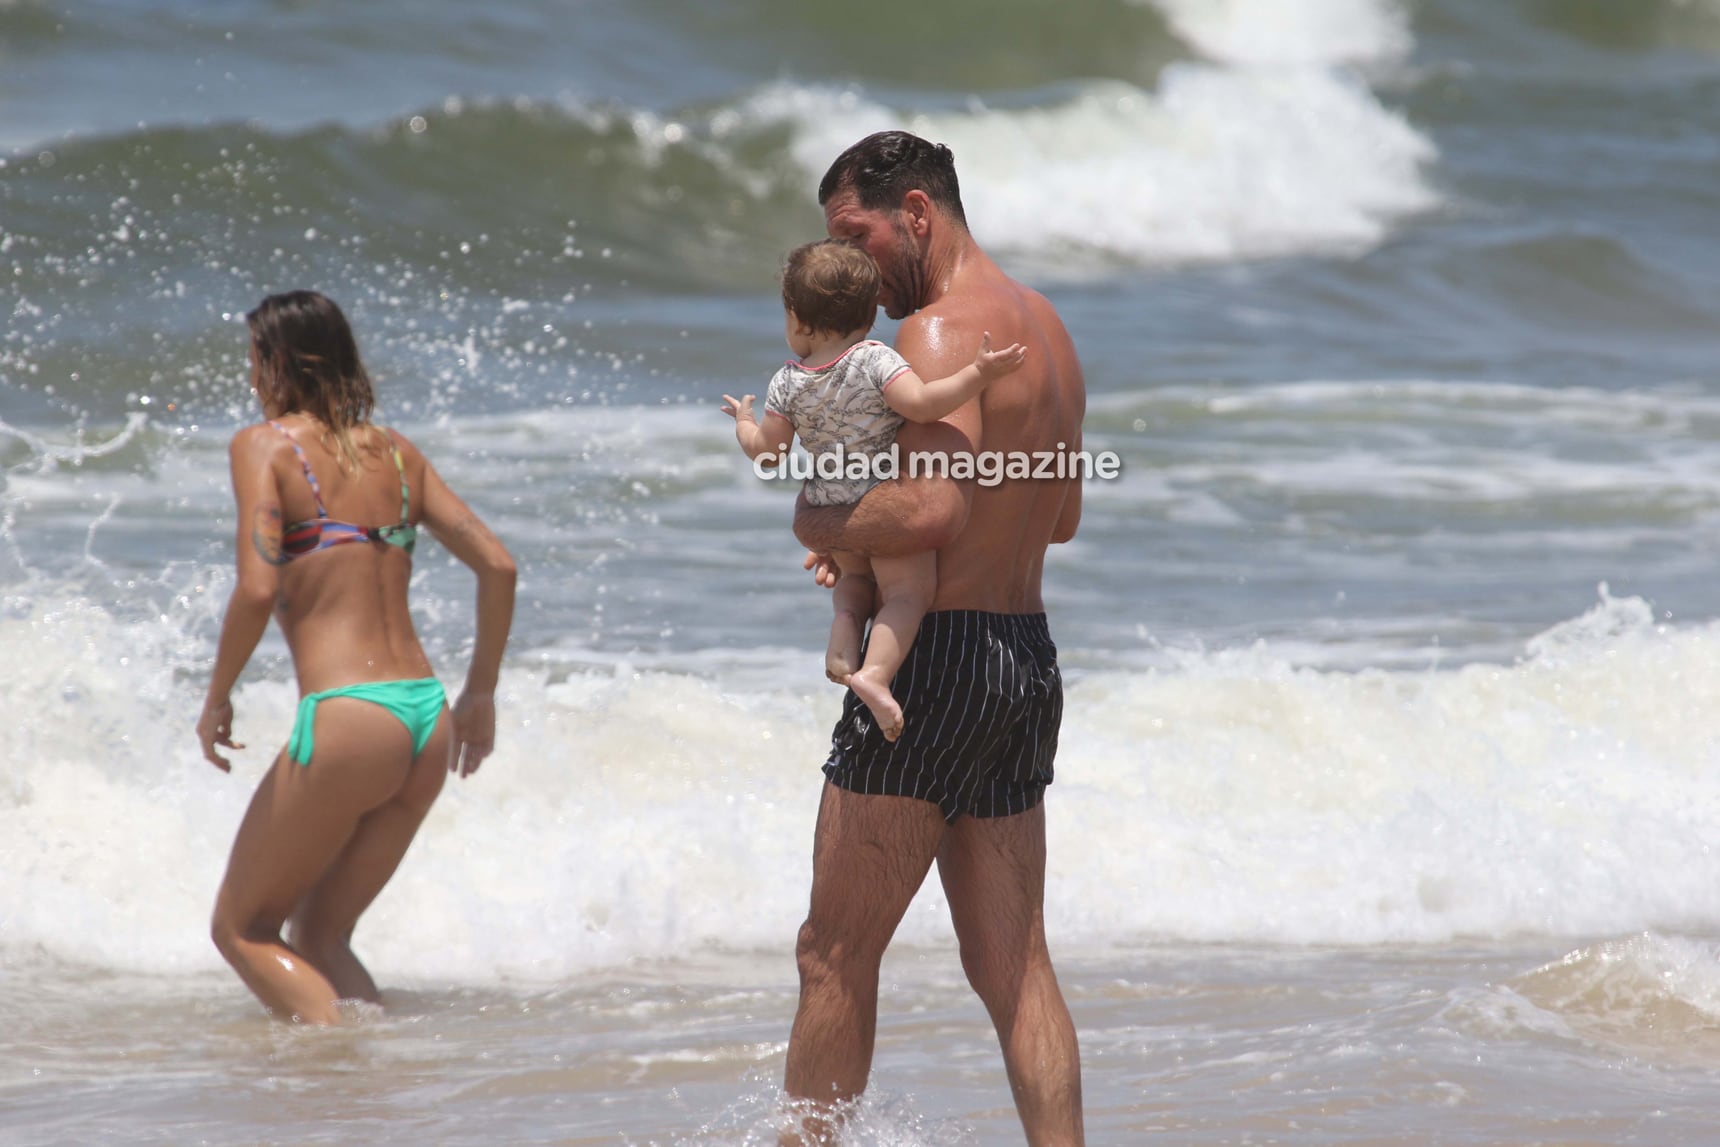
point(740, 409)
point(994, 364)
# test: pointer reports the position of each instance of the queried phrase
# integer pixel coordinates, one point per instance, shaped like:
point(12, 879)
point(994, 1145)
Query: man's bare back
point(995, 562)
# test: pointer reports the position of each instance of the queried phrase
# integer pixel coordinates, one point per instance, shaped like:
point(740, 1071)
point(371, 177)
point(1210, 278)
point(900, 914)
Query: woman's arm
point(258, 557)
point(468, 539)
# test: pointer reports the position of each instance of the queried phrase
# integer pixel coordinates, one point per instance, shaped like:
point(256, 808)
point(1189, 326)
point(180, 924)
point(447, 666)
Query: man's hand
point(215, 727)
point(824, 569)
point(474, 732)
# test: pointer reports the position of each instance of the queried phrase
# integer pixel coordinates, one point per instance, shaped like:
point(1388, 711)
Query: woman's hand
point(215, 727)
point(474, 732)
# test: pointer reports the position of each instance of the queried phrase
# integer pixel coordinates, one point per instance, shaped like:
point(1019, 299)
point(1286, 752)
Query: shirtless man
point(980, 690)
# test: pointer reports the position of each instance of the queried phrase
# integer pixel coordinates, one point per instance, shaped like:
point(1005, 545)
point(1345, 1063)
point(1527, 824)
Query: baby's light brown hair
point(831, 286)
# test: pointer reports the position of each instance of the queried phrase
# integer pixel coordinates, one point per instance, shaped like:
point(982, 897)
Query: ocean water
point(1387, 789)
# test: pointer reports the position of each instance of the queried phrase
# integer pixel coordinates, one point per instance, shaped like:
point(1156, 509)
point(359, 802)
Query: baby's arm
point(920, 401)
point(771, 437)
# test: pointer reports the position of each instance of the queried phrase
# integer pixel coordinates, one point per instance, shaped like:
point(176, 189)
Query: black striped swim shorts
point(981, 701)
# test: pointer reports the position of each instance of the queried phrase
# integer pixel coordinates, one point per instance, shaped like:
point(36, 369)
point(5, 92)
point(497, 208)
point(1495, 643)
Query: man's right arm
point(907, 515)
point(895, 518)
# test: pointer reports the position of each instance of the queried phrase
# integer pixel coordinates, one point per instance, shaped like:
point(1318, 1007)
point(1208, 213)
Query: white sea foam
point(1271, 149)
point(1650, 995)
point(1632, 978)
point(632, 814)
point(1421, 442)
point(1270, 146)
point(1214, 164)
point(1291, 32)
point(1567, 793)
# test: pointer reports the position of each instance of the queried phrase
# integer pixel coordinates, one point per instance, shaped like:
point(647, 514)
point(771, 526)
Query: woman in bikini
point(329, 509)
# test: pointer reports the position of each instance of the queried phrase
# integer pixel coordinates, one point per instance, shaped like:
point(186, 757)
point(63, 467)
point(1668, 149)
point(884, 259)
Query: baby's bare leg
point(907, 586)
point(853, 598)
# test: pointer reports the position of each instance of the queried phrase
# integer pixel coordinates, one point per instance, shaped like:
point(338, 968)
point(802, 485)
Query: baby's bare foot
point(876, 693)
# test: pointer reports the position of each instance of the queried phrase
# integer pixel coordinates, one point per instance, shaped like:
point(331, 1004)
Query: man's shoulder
point(954, 323)
point(984, 299)
point(947, 328)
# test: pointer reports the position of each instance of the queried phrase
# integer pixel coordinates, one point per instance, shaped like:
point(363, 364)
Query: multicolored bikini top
point(322, 531)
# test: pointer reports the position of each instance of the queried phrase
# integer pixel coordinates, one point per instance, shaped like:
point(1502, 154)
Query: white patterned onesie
point(840, 404)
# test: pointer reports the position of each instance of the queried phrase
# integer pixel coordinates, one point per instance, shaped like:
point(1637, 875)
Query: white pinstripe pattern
point(983, 700)
point(998, 691)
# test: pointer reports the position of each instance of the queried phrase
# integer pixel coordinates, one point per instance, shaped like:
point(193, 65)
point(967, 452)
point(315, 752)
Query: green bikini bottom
point(417, 703)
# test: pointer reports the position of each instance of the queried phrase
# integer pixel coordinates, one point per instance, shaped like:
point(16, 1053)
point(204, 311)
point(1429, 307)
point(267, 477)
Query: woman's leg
point(323, 925)
point(299, 821)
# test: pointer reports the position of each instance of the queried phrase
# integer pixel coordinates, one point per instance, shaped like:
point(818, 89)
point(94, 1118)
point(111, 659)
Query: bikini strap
point(400, 468)
point(304, 464)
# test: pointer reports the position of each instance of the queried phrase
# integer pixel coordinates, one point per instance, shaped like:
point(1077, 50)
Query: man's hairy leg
point(993, 872)
point(870, 855)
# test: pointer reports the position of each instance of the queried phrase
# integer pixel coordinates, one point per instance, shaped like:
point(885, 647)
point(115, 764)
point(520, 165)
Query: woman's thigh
point(302, 816)
point(377, 844)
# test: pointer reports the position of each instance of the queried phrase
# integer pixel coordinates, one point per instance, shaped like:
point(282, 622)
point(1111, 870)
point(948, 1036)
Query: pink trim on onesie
point(832, 362)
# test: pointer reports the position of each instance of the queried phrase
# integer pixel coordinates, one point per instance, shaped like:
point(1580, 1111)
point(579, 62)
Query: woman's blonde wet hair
point(831, 286)
point(307, 362)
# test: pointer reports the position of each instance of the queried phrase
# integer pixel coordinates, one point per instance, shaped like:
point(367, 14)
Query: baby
point(847, 394)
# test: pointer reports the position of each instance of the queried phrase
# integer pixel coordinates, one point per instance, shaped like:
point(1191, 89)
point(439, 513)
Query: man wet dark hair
point(886, 165)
